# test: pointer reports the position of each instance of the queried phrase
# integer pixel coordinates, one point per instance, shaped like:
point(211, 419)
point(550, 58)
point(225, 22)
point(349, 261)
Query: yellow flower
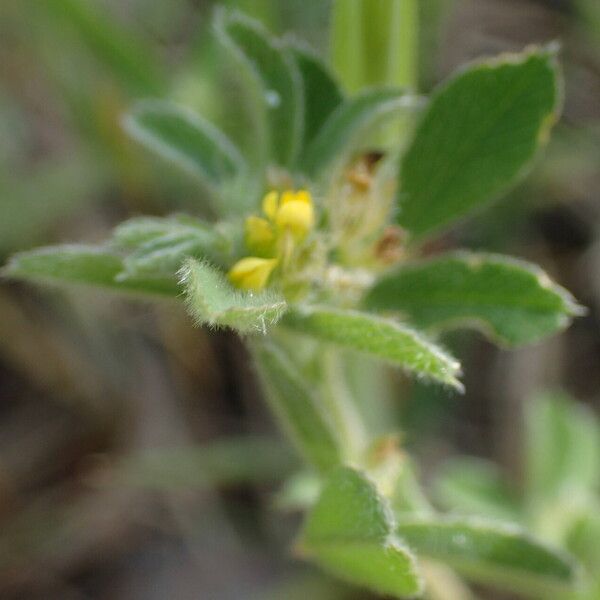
point(270, 204)
point(289, 212)
point(296, 213)
point(260, 236)
point(252, 273)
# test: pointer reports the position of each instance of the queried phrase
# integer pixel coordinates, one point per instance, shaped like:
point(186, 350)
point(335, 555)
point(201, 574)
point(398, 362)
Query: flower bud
point(297, 217)
point(252, 273)
point(296, 213)
point(260, 237)
point(270, 204)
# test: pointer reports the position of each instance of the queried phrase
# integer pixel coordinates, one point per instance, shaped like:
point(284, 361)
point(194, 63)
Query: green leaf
point(477, 138)
point(513, 301)
point(475, 487)
point(563, 448)
point(160, 245)
point(212, 301)
point(278, 76)
point(184, 138)
point(582, 539)
point(299, 492)
point(127, 56)
point(87, 265)
point(296, 406)
point(348, 124)
point(137, 231)
point(383, 338)
point(222, 462)
point(322, 94)
point(491, 553)
point(350, 533)
point(164, 256)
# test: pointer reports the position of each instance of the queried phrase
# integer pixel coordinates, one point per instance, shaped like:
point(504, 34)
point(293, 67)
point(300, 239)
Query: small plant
point(320, 245)
point(559, 500)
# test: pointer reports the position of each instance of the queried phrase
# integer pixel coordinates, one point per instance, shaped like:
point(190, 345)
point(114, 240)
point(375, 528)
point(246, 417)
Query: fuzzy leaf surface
point(477, 138)
point(379, 337)
point(212, 301)
point(350, 534)
point(513, 301)
point(135, 232)
point(490, 552)
point(472, 486)
point(185, 139)
point(563, 447)
point(159, 246)
point(84, 265)
point(322, 94)
point(296, 406)
point(278, 76)
point(348, 123)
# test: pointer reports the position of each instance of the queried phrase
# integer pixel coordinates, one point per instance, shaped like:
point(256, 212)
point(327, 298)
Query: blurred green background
point(136, 458)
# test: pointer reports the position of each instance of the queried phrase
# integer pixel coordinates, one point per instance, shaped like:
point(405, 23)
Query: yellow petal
point(252, 273)
point(260, 237)
point(287, 196)
point(297, 217)
point(304, 196)
point(270, 204)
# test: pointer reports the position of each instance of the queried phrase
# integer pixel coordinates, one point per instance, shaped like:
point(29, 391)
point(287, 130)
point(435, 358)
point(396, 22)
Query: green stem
point(296, 406)
point(375, 42)
point(403, 53)
point(442, 583)
point(341, 407)
point(347, 44)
